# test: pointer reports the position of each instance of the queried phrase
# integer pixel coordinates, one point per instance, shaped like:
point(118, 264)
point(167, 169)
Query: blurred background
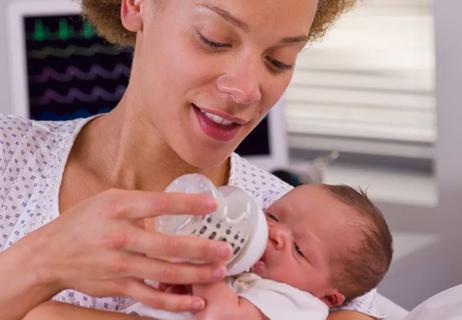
point(374, 105)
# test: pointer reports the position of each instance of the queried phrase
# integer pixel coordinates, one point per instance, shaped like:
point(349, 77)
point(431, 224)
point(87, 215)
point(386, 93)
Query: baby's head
point(331, 241)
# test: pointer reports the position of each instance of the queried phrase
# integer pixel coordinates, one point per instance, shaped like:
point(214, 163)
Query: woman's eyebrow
point(226, 15)
point(297, 39)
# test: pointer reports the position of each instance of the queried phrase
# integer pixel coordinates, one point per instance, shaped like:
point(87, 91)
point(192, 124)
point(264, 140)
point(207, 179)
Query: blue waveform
point(73, 72)
point(75, 95)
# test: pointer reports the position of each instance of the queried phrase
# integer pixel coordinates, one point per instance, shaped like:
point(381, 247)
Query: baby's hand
point(223, 303)
point(175, 288)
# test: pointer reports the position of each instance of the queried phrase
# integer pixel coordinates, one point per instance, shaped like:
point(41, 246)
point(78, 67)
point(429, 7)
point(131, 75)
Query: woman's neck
point(115, 150)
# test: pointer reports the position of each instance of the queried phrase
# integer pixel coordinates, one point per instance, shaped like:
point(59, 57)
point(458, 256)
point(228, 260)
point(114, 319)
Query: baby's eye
point(272, 217)
point(298, 250)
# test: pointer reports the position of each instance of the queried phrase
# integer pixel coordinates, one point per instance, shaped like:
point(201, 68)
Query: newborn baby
point(327, 245)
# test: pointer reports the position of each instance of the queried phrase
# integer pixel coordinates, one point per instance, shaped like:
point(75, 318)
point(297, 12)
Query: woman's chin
point(205, 158)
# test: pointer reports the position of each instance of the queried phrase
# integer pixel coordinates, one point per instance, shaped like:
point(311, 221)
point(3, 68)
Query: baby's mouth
point(259, 267)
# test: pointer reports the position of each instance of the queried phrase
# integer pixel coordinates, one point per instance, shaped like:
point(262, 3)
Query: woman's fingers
point(162, 300)
point(101, 241)
point(150, 296)
point(132, 204)
point(158, 245)
point(141, 267)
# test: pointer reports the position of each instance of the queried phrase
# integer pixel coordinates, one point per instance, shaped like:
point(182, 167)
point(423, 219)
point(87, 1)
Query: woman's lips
point(217, 131)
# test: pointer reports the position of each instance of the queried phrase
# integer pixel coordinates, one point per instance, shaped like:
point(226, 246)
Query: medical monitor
point(60, 69)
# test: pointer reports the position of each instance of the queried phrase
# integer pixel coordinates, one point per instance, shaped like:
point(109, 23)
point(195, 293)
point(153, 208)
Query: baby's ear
point(333, 299)
point(131, 15)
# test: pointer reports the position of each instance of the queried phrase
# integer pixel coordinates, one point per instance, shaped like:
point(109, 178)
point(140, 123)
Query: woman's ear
point(333, 299)
point(131, 15)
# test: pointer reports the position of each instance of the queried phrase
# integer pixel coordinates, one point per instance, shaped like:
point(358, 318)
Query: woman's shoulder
point(20, 137)
point(261, 184)
point(14, 127)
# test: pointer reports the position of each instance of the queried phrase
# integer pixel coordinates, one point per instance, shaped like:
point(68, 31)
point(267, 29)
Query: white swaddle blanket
point(446, 305)
point(274, 299)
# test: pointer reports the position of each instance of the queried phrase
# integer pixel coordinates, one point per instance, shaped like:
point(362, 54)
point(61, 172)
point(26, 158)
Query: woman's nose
point(241, 83)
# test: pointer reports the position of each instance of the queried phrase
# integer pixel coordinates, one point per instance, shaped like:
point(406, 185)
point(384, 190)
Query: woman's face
point(207, 71)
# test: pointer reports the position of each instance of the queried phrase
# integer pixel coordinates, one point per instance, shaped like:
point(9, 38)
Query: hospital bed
point(446, 305)
point(392, 310)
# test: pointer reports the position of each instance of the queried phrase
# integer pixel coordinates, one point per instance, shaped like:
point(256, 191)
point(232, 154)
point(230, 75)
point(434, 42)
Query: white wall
point(5, 98)
point(434, 262)
point(4, 88)
point(449, 149)
point(429, 255)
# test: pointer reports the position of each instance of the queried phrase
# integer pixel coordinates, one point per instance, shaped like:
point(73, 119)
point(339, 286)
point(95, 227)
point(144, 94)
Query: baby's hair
point(105, 16)
point(360, 269)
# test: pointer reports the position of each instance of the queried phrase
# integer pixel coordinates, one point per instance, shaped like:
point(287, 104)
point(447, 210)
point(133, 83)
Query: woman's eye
point(213, 44)
point(278, 66)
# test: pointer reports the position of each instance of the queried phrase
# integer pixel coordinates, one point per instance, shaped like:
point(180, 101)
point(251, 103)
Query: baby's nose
point(279, 236)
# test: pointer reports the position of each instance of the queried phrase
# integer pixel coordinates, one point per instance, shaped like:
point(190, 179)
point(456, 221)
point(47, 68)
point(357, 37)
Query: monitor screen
point(60, 70)
point(71, 72)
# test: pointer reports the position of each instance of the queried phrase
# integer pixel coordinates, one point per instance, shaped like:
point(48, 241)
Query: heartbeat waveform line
point(64, 32)
point(75, 94)
point(72, 50)
point(72, 72)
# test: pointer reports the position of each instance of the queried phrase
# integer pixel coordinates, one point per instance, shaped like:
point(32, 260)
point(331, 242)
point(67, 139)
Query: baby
point(327, 245)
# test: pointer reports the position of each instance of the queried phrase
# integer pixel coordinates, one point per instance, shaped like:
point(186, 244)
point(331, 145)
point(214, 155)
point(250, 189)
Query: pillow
point(392, 310)
point(446, 305)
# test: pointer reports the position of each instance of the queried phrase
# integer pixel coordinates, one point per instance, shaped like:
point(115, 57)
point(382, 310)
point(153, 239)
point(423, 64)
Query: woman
point(75, 216)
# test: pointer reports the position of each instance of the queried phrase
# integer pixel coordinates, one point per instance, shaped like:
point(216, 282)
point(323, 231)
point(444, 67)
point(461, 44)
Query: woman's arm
point(53, 310)
point(348, 315)
point(99, 248)
point(23, 279)
point(224, 304)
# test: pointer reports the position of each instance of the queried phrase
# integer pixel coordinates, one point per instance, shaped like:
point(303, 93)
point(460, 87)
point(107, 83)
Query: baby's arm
point(348, 315)
point(224, 304)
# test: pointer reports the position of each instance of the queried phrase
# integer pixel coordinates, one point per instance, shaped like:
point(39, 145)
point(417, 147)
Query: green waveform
point(64, 32)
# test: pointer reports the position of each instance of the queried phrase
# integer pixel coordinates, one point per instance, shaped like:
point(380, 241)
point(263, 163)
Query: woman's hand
point(101, 248)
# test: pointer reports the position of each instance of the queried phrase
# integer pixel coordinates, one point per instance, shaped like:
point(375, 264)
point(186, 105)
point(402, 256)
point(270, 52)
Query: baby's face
point(306, 228)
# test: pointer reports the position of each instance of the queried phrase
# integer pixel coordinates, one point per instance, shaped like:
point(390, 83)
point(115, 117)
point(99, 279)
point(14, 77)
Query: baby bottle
point(237, 220)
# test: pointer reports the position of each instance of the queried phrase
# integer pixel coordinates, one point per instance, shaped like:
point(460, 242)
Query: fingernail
point(210, 203)
point(224, 250)
point(219, 273)
point(198, 304)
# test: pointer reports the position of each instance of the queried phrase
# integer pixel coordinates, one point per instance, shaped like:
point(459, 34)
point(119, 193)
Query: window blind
point(368, 86)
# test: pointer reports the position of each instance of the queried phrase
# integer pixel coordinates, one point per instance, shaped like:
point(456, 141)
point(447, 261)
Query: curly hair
point(105, 17)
